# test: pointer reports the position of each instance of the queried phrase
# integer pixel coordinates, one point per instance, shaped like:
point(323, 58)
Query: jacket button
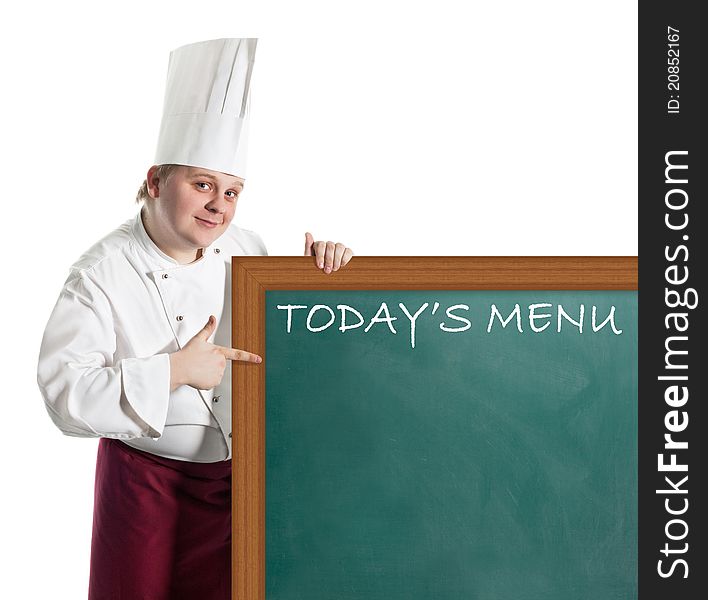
point(217, 250)
point(165, 275)
point(229, 434)
point(216, 398)
point(180, 317)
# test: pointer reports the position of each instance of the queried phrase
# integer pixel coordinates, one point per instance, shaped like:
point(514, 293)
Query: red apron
point(161, 527)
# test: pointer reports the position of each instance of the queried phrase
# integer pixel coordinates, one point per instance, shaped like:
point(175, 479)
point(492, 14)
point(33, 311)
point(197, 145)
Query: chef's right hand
point(201, 364)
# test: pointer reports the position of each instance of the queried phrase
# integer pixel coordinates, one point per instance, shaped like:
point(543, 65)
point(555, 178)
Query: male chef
point(135, 351)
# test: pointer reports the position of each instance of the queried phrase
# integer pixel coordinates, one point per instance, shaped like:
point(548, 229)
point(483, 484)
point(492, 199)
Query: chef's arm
point(87, 395)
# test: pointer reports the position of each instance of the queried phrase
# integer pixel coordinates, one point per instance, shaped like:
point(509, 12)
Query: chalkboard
point(437, 442)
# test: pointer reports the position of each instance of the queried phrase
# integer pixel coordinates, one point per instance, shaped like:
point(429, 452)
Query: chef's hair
point(163, 173)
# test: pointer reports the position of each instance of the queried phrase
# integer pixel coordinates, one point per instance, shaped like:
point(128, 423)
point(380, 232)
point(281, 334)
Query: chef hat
point(205, 118)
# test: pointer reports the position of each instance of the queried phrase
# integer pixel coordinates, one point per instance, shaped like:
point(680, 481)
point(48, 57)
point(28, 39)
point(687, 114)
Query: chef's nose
point(216, 205)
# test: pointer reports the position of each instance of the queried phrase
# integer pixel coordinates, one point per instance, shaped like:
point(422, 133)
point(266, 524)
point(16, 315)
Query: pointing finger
point(242, 355)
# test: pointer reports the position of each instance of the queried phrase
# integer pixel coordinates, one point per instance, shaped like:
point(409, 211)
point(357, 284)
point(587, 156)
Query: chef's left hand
point(328, 255)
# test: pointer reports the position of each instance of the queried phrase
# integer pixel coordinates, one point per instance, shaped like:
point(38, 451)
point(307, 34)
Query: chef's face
point(191, 209)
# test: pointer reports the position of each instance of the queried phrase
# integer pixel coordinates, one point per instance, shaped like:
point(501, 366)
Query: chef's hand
point(328, 255)
point(201, 364)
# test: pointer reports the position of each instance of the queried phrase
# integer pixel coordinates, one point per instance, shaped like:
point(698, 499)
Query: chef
point(136, 348)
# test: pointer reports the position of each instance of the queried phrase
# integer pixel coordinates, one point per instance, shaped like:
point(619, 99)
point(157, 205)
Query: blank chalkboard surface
point(440, 443)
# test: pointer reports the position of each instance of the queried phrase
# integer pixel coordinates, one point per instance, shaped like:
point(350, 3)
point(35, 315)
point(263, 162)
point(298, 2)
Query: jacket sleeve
point(85, 392)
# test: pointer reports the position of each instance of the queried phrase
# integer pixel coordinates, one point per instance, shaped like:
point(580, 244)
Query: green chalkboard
point(482, 462)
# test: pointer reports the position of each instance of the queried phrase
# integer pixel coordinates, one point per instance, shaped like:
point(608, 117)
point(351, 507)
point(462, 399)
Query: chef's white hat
point(205, 118)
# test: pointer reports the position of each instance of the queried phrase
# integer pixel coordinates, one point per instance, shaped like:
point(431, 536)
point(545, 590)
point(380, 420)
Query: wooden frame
point(253, 276)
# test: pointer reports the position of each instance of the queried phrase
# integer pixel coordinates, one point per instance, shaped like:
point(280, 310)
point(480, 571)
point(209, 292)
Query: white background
point(453, 128)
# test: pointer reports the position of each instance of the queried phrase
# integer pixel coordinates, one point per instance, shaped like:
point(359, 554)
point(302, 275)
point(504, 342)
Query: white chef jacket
point(104, 367)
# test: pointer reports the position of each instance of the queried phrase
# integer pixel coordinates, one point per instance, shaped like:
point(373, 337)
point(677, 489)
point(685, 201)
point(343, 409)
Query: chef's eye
point(202, 183)
point(231, 194)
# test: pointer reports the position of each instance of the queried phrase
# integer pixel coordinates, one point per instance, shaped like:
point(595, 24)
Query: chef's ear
point(153, 182)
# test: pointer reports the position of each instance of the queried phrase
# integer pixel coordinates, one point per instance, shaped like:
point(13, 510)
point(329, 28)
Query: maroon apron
point(161, 527)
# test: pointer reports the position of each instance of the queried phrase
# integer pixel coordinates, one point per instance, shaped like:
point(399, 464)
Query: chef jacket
point(104, 366)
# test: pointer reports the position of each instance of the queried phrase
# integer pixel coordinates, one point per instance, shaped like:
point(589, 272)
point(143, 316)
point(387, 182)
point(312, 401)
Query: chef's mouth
point(208, 223)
